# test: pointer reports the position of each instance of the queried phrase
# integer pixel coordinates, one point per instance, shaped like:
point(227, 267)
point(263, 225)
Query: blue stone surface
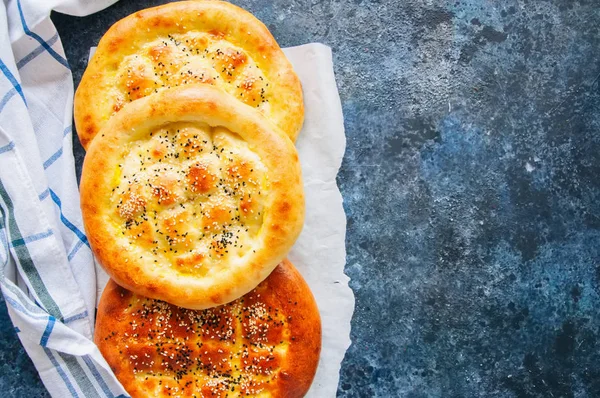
point(471, 183)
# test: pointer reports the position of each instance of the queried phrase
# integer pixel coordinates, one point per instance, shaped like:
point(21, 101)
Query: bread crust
point(249, 176)
point(210, 42)
point(280, 342)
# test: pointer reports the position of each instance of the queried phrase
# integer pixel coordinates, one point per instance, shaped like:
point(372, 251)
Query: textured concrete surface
point(472, 188)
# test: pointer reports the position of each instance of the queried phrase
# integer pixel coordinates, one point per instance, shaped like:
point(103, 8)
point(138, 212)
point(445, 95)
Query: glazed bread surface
point(191, 197)
point(265, 344)
point(210, 42)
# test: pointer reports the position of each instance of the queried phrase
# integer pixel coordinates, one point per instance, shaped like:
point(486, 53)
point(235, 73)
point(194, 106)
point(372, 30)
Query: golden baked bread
point(191, 197)
point(187, 42)
point(265, 344)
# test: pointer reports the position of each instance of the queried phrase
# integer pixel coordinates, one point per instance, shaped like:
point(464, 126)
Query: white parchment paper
point(320, 252)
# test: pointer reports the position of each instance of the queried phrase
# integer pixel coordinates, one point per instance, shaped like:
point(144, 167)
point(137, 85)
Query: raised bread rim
point(284, 205)
point(231, 18)
point(306, 334)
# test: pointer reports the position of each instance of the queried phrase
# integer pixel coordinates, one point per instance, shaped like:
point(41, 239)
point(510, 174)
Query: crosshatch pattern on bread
point(191, 197)
point(189, 42)
point(265, 344)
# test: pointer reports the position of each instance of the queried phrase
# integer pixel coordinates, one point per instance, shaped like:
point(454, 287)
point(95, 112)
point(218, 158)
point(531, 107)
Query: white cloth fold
point(46, 267)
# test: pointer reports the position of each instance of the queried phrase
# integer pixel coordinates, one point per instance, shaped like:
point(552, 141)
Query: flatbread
point(188, 42)
point(191, 197)
point(265, 344)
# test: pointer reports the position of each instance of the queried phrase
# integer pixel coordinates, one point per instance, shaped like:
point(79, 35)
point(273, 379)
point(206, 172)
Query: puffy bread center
point(189, 197)
point(235, 349)
point(194, 57)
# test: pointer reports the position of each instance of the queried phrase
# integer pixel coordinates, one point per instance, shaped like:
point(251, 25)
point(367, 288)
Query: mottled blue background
point(471, 183)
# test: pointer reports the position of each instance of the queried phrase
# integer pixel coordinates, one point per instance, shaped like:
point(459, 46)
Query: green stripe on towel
point(24, 258)
point(81, 378)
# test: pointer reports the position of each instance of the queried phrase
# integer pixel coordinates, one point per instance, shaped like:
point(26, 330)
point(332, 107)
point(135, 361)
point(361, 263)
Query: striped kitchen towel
point(47, 273)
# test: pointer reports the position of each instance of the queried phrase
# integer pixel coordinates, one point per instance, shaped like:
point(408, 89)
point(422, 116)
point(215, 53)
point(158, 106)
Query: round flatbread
point(265, 344)
point(191, 197)
point(187, 42)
